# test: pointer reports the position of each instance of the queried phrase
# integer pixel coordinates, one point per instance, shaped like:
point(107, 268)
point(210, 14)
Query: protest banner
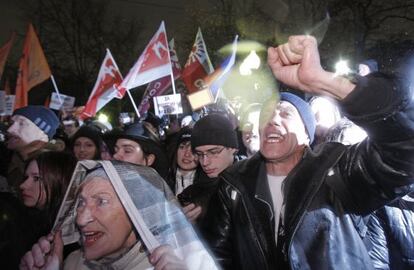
point(169, 104)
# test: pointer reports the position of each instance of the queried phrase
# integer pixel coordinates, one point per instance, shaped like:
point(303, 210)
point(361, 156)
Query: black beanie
point(184, 135)
point(214, 129)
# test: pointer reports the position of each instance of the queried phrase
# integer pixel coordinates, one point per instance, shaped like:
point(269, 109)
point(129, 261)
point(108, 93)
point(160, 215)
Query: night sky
point(152, 12)
point(336, 40)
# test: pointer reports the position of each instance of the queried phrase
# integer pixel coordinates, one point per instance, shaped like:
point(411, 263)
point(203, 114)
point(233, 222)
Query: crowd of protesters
point(263, 188)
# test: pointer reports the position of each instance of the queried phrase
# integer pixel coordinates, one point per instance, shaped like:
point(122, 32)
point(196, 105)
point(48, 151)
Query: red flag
point(153, 63)
point(158, 87)
point(33, 68)
point(198, 65)
point(105, 87)
point(4, 53)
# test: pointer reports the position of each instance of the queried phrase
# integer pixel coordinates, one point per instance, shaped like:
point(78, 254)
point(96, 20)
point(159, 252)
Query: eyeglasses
point(211, 153)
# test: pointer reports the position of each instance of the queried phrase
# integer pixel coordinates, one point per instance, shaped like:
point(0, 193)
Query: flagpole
point(169, 59)
point(133, 103)
point(172, 78)
point(217, 95)
point(56, 89)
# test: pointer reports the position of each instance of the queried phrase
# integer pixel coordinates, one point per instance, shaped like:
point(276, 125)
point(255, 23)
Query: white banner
point(65, 102)
point(170, 104)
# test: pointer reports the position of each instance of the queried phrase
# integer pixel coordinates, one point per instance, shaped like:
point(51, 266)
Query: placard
point(9, 105)
point(66, 103)
point(200, 99)
point(169, 104)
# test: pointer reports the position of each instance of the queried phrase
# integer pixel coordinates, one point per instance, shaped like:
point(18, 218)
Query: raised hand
point(46, 254)
point(297, 64)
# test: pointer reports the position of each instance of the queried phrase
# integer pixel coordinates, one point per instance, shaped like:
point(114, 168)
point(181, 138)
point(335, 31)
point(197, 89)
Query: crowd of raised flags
point(157, 66)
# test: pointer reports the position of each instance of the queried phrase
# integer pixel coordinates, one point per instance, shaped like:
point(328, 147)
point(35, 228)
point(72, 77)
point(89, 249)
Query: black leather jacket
point(326, 196)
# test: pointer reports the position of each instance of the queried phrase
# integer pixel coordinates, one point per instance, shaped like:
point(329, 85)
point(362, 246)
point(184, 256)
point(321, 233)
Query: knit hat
point(184, 135)
point(371, 63)
point(44, 118)
point(304, 110)
point(214, 129)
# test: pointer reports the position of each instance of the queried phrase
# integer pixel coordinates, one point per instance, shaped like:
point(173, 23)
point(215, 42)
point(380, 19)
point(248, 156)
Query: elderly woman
point(106, 225)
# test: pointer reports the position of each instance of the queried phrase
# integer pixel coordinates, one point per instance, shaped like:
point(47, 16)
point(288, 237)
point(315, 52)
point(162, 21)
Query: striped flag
point(216, 79)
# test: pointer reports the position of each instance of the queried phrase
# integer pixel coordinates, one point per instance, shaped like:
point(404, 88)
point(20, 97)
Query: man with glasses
point(214, 142)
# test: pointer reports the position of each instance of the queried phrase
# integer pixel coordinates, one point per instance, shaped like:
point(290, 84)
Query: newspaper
point(149, 203)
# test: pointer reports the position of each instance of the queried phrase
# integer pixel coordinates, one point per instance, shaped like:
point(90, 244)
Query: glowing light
point(342, 68)
point(325, 111)
point(103, 118)
point(353, 134)
point(252, 61)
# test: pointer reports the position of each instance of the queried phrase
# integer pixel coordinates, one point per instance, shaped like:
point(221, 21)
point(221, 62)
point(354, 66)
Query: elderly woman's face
point(103, 223)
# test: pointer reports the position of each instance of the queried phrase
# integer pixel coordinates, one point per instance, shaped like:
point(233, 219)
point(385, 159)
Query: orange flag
point(33, 68)
point(4, 53)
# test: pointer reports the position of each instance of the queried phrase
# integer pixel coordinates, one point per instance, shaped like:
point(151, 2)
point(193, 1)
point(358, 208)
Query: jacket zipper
point(268, 204)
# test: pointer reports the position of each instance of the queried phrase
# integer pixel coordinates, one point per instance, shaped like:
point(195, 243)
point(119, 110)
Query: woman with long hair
point(46, 178)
